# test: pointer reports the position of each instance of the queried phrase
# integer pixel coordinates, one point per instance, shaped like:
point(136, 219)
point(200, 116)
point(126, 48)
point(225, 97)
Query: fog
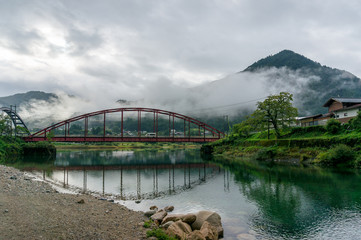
point(233, 95)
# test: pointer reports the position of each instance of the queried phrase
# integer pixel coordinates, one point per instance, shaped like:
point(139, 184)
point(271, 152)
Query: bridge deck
point(122, 139)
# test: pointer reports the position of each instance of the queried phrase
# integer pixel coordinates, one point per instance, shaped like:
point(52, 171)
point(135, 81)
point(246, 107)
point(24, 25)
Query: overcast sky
point(116, 48)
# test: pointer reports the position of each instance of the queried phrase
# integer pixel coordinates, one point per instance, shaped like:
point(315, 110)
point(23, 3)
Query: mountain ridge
point(20, 98)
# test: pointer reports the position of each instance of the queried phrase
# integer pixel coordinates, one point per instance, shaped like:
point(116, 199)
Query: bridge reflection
point(135, 182)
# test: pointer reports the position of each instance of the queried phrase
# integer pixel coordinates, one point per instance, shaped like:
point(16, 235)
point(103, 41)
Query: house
point(319, 119)
point(343, 109)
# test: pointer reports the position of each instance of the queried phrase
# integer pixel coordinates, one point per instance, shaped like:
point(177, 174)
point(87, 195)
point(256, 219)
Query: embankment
point(327, 151)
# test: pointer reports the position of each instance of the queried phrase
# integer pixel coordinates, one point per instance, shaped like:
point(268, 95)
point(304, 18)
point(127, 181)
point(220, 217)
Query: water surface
point(255, 201)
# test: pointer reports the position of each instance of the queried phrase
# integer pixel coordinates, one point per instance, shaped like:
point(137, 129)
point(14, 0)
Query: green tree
point(251, 124)
point(276, 110)
point(5, 125)
point(356, 122)
point(333, 126)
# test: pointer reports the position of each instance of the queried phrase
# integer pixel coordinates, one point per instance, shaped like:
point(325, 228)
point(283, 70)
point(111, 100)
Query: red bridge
point(193, 130)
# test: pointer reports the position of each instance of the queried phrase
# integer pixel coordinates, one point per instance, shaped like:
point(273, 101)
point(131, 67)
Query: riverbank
point(14, 149)
point(32, 209)
point(312, 145)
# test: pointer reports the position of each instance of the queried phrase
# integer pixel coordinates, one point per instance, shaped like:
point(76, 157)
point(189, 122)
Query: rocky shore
point(32, 209)
point(203, 225)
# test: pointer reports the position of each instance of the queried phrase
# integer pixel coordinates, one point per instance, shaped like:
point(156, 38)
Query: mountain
point(319, 82)
point(21, 98)
point(285, 58)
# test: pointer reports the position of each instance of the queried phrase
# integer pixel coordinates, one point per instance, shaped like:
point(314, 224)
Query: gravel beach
point(32, 209)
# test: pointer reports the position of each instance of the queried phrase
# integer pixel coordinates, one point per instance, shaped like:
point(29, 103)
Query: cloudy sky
point(113, 49)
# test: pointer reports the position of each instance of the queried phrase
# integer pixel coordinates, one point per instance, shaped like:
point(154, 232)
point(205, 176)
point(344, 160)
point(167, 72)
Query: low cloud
point(232, 95)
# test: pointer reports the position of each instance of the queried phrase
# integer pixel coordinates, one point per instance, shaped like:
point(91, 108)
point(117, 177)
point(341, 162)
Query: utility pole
point(10, 124)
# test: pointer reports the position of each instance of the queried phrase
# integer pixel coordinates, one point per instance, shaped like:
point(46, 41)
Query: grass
point(159, 234)
point(148, 224)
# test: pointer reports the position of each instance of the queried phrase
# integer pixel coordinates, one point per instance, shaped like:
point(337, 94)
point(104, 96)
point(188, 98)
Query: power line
point(228, 105)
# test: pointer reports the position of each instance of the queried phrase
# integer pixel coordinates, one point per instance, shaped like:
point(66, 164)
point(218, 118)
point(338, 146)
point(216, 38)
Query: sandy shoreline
point(31, 209)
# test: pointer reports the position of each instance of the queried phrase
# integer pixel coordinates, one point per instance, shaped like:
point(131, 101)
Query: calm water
point(255, 201)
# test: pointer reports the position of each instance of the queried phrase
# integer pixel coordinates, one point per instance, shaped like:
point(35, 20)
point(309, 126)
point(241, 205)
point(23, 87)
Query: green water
point(255, 201)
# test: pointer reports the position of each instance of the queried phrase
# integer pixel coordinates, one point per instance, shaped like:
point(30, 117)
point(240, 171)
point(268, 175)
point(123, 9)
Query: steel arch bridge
point(17, 121)
point(203, 128)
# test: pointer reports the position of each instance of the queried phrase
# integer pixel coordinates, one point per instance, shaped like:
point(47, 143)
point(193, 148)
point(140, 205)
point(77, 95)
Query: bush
point(310, 129)
point(266, 153)
point(333, 126)
point(340, 154)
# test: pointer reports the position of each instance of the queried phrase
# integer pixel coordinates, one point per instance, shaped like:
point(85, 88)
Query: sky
point(124, 49)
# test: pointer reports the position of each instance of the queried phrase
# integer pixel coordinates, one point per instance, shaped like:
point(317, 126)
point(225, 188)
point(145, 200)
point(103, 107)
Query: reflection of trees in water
point(292, 200)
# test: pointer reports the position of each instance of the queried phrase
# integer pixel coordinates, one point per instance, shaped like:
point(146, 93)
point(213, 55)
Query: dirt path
point(31, 209)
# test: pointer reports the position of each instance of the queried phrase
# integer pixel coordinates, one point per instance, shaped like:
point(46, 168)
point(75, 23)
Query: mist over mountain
point(23, 98)
point(235, 95)
point(315, 83)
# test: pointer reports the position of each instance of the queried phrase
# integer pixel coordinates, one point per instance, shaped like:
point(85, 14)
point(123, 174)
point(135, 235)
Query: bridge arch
point(17, 121)
point(216, 134)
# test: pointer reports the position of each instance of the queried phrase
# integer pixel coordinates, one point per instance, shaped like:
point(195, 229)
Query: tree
point(5, 125)
point(333, 126)
point(356, 122)
point(277, 110)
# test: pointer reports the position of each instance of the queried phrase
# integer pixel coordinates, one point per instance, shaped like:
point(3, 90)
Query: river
point(255, 200)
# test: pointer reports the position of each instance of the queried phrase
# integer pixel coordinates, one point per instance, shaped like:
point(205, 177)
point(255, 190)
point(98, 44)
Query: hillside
point(19, 98)
point(323, 82)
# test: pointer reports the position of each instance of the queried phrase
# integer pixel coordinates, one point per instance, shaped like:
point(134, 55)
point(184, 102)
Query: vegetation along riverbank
point(334, 144)
point(12, 149)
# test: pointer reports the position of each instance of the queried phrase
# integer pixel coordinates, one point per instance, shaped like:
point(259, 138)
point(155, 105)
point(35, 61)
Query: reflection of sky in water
point(254, 200)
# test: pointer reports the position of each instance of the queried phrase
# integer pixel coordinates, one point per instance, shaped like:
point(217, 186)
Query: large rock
point(196, 235)
point(207, 216)
point(172, 217)
point(158, 216)
point(209, 231)
point(189, 218)
point(179, 230)
point(166, 225)
point(149, 213)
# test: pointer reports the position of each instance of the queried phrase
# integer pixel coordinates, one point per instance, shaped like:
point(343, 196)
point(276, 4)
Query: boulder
point(158, 216)
point(149, 213)
point(153, 208)
point(169, 208)
point(188, 218)
point(207, 216)
point(196, 235)
point(209, 231)
point(179, 230)
point(172, 217)
point(166, 225)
